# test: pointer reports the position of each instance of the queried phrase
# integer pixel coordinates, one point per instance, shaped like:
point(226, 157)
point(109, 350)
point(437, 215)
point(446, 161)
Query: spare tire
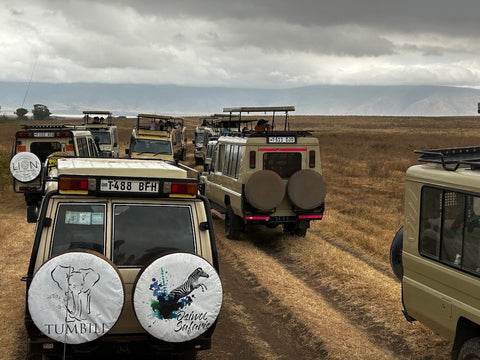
point(307, 189)
point(177, 297)
point(76, 297)
point(396, 249)
point(265, 189)
point(25, 167)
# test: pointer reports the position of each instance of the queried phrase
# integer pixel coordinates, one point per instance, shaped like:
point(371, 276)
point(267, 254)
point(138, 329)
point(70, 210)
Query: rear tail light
point(21, 148)
point(181, 188)
point(63, 134)
point(69, 148)
point(24, 135)
point(83, 185)
point(311, 159)
point(253, 156)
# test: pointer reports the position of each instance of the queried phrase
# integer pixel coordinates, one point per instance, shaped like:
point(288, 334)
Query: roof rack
point(263, 109)
point(452, 158)
point(52, 126)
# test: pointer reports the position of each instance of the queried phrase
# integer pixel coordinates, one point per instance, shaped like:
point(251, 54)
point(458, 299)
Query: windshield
point(199, 138)
point(143, 232)
point(102, 136)
point(153, 146)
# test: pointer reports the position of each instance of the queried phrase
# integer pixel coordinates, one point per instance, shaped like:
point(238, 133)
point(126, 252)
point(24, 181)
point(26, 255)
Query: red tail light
point(181, 188)
point(311, 159)
point(76, 184)
point(24, 135)
point(253, 156)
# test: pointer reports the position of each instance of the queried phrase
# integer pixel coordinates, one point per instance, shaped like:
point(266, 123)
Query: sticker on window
point(83, 218)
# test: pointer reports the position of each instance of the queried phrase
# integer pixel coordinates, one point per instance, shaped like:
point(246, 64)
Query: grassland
point(364, 161)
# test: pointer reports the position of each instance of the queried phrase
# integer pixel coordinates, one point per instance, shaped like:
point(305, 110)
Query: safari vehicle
point(123, 265)
point(436, 253)
point(34, 143)
point(268, 177)
point(157, 137)
point(105, 133)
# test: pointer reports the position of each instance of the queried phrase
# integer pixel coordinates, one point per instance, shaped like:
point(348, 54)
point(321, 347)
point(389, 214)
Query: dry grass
point(364, 160)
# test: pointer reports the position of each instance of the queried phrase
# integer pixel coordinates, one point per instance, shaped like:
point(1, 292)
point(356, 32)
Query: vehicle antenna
point(30, 80)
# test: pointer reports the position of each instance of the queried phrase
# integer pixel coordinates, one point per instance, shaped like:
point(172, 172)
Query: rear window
point(79, 226)
point(43, 149)
point(102, 136)
point(284, 164)
point(142, 232)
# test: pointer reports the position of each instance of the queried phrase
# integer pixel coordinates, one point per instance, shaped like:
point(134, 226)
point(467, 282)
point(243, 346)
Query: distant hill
point(131, 99)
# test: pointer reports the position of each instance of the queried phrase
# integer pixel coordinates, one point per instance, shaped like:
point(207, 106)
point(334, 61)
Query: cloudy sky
point(242, 43)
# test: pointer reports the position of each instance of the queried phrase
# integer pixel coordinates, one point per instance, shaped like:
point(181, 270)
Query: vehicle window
point(153, 146)
point(143, 232)
point(78, 226)
point(199, 138)
point(92, 148)
point(450, 228)
point(103, 137)
point(82, 147)
point(284, 164)
point(43, 149)
point(221, 157)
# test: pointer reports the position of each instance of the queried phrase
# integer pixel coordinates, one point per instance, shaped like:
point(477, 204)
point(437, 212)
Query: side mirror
point(32, 214)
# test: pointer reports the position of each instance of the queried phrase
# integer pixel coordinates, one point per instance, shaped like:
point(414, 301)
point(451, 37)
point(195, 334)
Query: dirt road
point(276, 309)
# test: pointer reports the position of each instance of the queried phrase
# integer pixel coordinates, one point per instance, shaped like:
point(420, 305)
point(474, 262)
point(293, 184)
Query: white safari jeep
point(105, 133)
point(34, 143)
point(436, 254)
point(124, 263)
point(266, 177)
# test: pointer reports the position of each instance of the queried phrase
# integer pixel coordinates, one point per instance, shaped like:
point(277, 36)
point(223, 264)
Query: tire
point(177, 297)
point(307, 189)
point(265, 190)
point(233, 224)
point(470, 350)
point(74, 288)
point(396, 249)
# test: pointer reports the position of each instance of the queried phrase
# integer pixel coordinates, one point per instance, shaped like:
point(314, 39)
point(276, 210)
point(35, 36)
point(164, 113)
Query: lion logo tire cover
point(25, 166)
point(76, 297)
point(177, 297)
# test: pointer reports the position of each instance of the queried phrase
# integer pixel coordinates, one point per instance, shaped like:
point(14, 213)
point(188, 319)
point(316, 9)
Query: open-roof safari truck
point(104, 131)
point(266, 178)
point(436, 253)
point(123, 265)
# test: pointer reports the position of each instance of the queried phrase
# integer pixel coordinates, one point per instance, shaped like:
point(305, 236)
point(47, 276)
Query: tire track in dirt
point(308, 308)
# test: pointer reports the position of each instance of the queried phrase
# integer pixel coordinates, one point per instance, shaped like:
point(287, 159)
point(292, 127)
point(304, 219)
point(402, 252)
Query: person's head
point(262, 123)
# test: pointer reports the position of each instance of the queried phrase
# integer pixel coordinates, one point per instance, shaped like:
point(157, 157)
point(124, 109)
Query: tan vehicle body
point(440, 261)
point(127, 328)
point(100, 123)
point(153, 138)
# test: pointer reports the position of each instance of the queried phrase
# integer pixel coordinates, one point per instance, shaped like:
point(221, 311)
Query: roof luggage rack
point(451, 159)
point(49, 127)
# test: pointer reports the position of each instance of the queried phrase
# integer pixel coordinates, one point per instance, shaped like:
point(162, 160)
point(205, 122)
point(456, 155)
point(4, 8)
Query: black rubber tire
point(470, 350)
point(233, 224)
point(396, 249)
point(307, 189)
point(265, 190)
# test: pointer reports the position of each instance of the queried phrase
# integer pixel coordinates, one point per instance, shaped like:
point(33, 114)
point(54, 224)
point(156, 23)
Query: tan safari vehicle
point(436, 253)
point(34, 143)
point(158, 137)
point(267, 178)
point(124, 263)
point(104, 132)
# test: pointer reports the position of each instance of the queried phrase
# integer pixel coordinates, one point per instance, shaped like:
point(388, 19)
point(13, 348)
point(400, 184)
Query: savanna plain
point(330, 295)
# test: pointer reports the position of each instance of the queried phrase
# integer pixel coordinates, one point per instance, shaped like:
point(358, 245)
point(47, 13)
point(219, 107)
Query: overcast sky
point(242, 43)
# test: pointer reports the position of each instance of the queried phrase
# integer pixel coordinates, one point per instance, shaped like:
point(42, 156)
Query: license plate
point(281, 139)
point(138, 186)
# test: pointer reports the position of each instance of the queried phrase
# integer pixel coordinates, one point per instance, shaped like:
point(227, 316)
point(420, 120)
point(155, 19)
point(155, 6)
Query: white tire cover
point(25, 166)
point(177, 297)
point(306, 189)
point(76, 297)
point(265, 189)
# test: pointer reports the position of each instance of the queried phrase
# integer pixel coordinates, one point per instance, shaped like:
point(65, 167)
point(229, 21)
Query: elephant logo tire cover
point(177, 297)
point(25, 166)
point(76, 297)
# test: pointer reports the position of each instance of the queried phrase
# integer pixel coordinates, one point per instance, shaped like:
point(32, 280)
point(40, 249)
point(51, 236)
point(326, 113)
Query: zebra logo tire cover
point(76, 297)
point(25, 166)
point(177, 297)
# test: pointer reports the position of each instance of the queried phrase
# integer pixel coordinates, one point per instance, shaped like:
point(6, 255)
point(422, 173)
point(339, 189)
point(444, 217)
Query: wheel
point(470, 349)
point(233, 224)
point(396, 254)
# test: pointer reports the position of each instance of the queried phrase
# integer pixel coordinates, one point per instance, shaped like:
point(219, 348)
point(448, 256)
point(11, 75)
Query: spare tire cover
point(76, 297)
point(306, 189)
point(177, 297)
point(265, 189)
point(25, 166)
